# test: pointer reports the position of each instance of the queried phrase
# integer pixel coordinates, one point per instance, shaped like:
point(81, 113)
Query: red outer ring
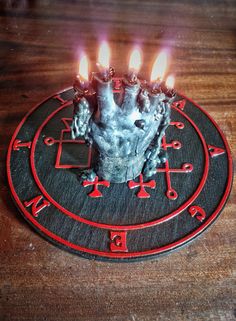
point(163, 219)
point(115, 255)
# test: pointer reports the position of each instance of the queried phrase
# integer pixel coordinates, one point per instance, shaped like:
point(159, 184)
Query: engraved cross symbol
point(142, 193)
point(95, 192)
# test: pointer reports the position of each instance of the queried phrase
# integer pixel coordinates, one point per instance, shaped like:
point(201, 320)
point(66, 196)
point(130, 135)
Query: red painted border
point(76, 217)
point(159, 250)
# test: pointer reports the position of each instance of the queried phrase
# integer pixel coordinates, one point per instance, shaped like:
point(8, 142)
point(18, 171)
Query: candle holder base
point(121, 222)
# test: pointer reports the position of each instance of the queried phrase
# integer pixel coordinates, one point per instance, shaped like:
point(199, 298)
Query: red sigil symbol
point(186, 168)
point(197, 212)
point(215, 151)
point(58, 97)
point(179, 104)
point(142, 192)
point(173, 144)
point(96, 193)
point(118, 241)
point(49, 141)
point(18, 144)
point(177, 124)
point(36, 208)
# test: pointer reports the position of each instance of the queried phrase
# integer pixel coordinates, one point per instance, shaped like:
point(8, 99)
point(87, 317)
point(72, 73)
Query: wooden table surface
point(39, 45)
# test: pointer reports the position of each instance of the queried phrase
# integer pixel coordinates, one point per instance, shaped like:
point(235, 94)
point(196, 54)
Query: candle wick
point(157, 86)
point(81, 86)
point(132, 77)
point(105, 73)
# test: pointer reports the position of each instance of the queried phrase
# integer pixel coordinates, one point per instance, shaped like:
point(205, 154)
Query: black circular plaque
point(120, 222)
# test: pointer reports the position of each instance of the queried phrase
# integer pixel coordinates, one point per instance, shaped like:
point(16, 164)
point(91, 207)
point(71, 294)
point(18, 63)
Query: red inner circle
point(121, 227)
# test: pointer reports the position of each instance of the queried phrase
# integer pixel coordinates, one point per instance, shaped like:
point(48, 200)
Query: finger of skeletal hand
point(130, 96)
point(105, 98)
point(157, 116)
point(81, 118)
point(73, 131)
point(156, 99)
point(148, 153)
point(144, 101)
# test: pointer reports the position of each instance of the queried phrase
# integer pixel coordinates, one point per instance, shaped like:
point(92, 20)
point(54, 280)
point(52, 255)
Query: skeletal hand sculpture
point(125, 130)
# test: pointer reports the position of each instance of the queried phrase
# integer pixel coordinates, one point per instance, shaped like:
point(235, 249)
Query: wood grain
point(39, 45)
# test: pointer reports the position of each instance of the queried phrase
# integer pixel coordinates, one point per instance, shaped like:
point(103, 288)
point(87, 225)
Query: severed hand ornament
point(125, 129)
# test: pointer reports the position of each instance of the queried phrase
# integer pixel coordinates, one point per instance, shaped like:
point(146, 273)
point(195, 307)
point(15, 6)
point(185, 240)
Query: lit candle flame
point(104, 55)
point(83, 68)
point(159, 67)
point(135, 60)
point(170, 82)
